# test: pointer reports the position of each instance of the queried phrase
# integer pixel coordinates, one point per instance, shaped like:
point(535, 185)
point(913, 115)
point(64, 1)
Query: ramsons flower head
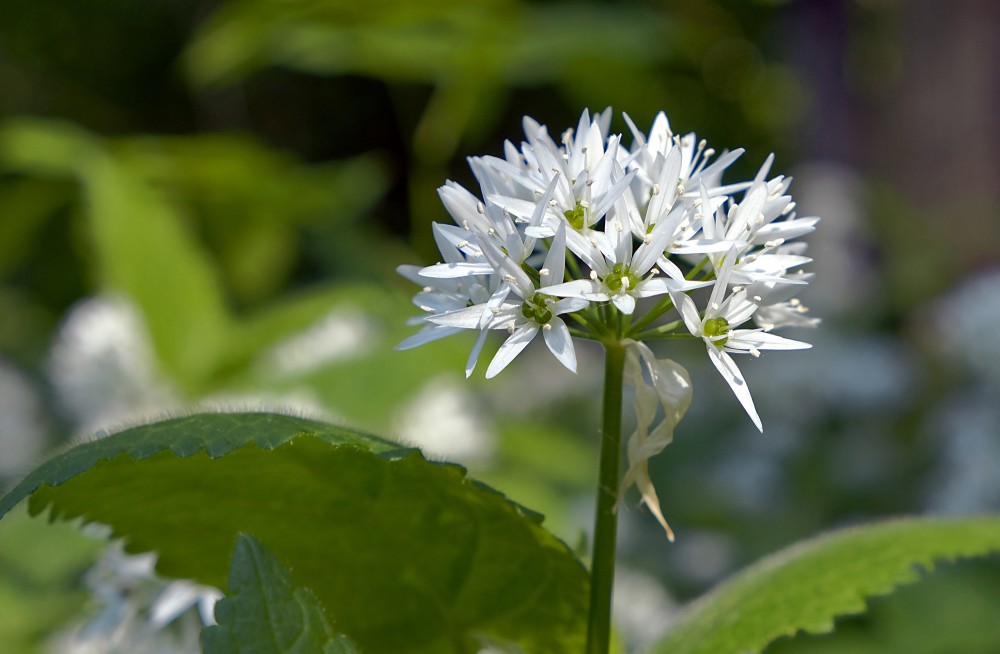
point(578, 236)
point(581, 237)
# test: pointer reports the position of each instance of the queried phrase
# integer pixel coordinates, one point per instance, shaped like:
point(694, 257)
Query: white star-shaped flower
point(618, 274)
point(716, 328)
point(532, 313)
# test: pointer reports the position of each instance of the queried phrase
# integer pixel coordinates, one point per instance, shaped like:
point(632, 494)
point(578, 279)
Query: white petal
point(667, 183)
point(737, 309)
point(467, 318)
point(569, 305)
point(702, 246)
point(727, 368)
point(611, 196)
point(587, 289)
point(177, 598)
point(747, 212)
point(541, 211)
point(722, 280)
point(494, 304)
point(457, 240)
point(412, 273)
point(426, 335)
point(470, 363)
point(670, 268)
point(462, 206)
point(689, 312)
point(588, 251)
point(652, 249)
point(516, 206)
point(624, 302)
point(555, 260)
point(511, 348)
point(745, 339)
point(450, 270)
point(765, 168)
point(539, 231)
point(661, 285)
point(786, 229)
point(560, 343)
point(510, 269)
point(640, 138)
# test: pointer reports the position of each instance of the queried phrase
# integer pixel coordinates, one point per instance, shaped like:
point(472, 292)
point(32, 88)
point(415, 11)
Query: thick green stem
point(602, 567)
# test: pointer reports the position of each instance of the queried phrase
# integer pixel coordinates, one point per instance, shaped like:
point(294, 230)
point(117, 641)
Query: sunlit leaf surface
point(405, 555)
point(804, 587)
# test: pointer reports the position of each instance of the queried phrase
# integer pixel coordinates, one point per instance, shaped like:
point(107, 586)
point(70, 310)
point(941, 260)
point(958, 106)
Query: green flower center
point(717, 327)
point(575, 216)
point(619, 277)
point(537, 309)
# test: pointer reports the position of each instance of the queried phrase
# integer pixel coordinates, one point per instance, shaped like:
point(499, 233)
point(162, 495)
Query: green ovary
point(616, 278)
point(537, 310)
point(717, 327)
point(575, 216)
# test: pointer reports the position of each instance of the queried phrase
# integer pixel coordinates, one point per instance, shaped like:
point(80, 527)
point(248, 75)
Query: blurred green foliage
point(40, 568)
point(402, 554)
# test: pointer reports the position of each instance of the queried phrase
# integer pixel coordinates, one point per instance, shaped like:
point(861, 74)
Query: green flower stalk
point(585, 238)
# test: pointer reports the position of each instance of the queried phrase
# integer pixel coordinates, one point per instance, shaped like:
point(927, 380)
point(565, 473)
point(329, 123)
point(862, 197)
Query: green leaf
point(265, 612)
point(807, 585)
point(252, 201)
point(405, 555)
point(915, 620)
point(145, 252)
point(47, 148)
point(499, 42)
point(141, 244)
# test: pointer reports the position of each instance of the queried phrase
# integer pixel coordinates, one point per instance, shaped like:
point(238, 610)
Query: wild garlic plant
point(583, 237)
point(323, 538)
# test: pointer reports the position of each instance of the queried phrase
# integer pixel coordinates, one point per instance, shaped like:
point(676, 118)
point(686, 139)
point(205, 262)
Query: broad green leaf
point(804, 587)
point(952, 610)
point(265, 613)
point(502, 42)
point(145, 252)
point(141, 245)
point(254, 202)
point(405, 555)
point(46, 148)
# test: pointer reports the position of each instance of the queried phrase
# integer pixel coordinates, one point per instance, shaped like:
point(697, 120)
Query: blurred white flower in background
point(340, 335)
point(642, 608)
point(847, 274)
point(137, 612)
point(966, 433)
point(965, 324)
point(22, 428)
point(964, 429)
point(444, 421)
point(102, 366)
point(704, 556)
point(103, 370)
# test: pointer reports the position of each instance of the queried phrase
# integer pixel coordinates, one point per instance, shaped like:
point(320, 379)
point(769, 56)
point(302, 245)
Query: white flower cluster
point(569, 235)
